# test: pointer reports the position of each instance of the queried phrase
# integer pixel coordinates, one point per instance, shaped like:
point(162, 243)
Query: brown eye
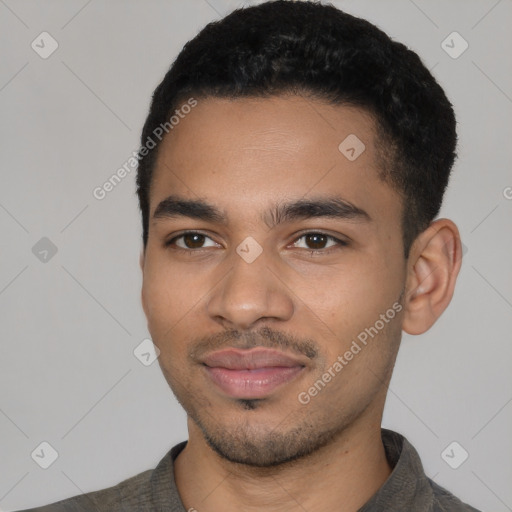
point(317, 242)
point(189, 240)
point(193, 240)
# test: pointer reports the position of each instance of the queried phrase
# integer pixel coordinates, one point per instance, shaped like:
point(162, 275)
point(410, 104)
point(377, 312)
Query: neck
point(341, 476)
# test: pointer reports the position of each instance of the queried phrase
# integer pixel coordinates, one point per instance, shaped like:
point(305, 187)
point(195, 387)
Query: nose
point(248, 294)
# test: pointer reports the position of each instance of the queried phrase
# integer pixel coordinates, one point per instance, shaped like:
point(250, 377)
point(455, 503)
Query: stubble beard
point(290, 439)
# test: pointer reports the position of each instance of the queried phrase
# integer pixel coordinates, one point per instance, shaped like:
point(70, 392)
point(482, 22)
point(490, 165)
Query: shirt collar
point(407, 487)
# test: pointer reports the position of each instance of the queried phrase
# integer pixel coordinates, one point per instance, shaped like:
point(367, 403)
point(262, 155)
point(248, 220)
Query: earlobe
point(435, 261)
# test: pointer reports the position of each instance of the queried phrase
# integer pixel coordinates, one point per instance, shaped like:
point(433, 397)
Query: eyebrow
point(301, 209)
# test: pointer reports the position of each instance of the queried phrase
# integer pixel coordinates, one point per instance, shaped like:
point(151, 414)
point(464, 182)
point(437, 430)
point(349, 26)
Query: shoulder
point(153, 489)
point(445, 501)
point(132, 492)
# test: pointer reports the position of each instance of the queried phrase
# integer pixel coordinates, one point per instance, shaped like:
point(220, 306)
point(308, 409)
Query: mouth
point(253, 373)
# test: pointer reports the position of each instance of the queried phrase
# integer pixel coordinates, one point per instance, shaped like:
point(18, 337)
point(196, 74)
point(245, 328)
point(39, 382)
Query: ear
point(434, 263)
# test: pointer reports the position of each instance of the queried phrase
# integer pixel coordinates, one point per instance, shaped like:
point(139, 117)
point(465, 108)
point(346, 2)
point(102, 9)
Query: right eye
point(191, 241)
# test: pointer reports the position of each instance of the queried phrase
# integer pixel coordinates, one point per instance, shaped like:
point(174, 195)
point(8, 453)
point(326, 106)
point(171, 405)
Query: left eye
point(318, 241)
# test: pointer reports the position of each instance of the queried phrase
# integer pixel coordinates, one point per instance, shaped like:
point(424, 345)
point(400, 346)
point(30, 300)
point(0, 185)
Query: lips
point(253, 373)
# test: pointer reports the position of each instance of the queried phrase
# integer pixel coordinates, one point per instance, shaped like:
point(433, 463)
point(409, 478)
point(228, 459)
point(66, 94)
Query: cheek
point(343, 293)
point(351, 301)
point(173, 299)
point(165, 297)
point(165, 314)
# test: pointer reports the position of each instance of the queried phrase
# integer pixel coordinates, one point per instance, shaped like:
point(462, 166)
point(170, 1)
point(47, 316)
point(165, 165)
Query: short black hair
point(317, 50)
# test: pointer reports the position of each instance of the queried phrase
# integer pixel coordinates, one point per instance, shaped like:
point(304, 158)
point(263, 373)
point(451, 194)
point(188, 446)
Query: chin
point(262, 446)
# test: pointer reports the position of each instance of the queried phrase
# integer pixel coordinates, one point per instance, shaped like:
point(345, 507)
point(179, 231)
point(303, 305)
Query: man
point(291, 167)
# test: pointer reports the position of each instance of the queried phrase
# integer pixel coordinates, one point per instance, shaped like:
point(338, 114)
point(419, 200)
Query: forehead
point(246, 153)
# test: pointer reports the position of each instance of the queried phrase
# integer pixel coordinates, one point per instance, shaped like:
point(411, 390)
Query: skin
point(242, 156)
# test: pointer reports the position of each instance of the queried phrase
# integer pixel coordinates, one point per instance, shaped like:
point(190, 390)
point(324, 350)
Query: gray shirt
point(407, 489)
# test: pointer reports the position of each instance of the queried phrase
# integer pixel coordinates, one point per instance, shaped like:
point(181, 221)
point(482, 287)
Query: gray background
point(69, 325)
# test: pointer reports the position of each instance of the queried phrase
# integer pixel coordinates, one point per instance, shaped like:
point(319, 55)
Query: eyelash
point(341, 243)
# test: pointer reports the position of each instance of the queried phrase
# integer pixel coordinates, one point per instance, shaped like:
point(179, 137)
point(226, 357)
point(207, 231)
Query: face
point(272, 276)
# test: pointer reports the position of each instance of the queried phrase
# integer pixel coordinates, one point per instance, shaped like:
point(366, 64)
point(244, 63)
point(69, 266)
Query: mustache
point(264, 337)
